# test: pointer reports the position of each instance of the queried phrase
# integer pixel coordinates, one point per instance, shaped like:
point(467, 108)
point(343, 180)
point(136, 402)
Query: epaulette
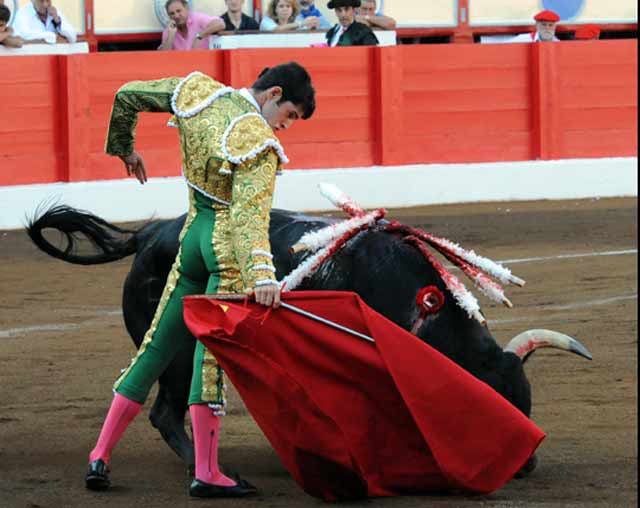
point(247, 136)
point(196, 92)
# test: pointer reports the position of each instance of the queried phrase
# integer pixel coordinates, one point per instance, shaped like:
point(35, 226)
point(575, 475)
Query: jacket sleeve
point(251, 201)
point(133, 98)
point(256, 153)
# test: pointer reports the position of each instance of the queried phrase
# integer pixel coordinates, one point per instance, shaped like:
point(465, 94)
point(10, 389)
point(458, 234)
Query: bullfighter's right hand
point(135, 166)
point(268, 296)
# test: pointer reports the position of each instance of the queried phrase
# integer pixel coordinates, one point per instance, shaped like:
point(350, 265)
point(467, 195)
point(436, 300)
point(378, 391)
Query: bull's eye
point(430, 300)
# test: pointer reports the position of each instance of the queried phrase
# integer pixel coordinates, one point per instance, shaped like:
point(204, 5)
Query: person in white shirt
point(40, 22)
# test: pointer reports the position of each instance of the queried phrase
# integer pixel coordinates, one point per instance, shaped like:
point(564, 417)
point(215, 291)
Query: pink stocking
point(205, 441)
point(120, 415)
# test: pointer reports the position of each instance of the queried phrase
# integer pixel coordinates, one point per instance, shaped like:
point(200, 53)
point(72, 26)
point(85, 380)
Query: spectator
point(41, 22)
point(186, 29)
point(234, 19)
point(309, 10)
point(349, 32)
point(546, 22)
point(587, 32)
point(367, 14)
point(7, 38)
point(281, 16)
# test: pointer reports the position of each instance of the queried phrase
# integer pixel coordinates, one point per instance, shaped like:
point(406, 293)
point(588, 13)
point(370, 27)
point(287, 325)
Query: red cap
point(588, 32)
point(547, 16)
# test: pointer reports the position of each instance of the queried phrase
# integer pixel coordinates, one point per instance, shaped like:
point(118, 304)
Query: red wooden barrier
point(375, 106)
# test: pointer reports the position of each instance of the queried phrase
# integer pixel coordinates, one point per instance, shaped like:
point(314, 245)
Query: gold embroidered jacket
point(229, 153)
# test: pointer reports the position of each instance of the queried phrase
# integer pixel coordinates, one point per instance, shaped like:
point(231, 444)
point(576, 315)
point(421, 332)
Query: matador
point(230, 160)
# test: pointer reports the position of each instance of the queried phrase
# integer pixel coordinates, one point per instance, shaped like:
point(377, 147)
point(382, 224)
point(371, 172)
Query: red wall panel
point(341, 132)
point(461, 105)
point(157, 142)
point(598, 99)
point(30, 149)
point(375, 106)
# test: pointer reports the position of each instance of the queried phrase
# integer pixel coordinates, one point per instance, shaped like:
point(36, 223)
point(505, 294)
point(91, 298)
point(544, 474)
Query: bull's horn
point(529, 341)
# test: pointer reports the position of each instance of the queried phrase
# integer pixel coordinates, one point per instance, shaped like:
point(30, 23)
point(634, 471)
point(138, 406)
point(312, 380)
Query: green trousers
point(200, 267)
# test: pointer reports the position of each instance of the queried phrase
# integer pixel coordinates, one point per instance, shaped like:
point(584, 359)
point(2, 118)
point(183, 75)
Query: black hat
point(334, 4)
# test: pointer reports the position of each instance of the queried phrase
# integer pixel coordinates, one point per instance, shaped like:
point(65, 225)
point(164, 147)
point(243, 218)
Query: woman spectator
point(281, 16)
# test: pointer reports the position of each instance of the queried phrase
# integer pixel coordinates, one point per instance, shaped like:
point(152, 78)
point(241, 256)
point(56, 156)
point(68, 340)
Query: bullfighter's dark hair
point(169, 2)
point(5, 13)
point(295, 82)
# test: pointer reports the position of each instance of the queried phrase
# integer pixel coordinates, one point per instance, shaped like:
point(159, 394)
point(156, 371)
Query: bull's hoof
point(97, 477)
point(528, 468)
point(241, 489)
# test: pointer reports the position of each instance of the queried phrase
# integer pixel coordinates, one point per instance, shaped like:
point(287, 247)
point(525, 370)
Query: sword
point(292, 308)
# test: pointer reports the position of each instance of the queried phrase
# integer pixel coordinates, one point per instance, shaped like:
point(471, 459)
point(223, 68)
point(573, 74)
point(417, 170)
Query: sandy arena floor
point(62, 342)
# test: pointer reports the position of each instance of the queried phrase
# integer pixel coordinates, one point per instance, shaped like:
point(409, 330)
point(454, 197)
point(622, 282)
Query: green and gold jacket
point(230, 154)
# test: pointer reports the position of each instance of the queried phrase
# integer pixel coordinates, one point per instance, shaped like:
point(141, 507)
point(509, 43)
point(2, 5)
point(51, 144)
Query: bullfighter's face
point(279, 115)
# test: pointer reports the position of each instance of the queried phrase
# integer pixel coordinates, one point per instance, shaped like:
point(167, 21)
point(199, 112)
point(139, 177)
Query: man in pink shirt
point(186, 29)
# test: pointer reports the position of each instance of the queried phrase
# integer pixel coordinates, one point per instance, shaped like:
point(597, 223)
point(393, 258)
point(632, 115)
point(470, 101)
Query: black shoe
point(97, 477)
point(241, 489)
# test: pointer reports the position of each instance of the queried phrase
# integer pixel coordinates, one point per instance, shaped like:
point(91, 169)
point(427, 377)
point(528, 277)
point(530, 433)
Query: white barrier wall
point(127, 200)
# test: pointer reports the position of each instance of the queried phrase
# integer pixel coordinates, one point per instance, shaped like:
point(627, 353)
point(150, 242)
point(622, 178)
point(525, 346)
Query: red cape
point(350, 418)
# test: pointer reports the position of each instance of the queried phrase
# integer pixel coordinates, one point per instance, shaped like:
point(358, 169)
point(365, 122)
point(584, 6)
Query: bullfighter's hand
point(135, 166)
point(268, 296)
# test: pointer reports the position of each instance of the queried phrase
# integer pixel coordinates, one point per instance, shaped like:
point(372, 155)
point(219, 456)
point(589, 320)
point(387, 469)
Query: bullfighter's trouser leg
point(196, 270)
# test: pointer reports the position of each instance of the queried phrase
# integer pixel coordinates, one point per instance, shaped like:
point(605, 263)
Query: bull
point(380, 265)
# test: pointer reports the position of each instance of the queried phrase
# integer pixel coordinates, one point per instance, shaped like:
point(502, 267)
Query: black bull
point(383, 269)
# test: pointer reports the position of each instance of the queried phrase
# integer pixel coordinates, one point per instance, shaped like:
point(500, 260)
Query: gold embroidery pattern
point(202, 146)
point(172, 281)
point(196, 90)
point(229, 282)
point(253, 185)
point(213, 389)
point(222, 244)
point(248, 136)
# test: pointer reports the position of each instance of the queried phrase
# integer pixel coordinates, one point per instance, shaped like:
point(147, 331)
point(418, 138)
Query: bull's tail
point(108, 242)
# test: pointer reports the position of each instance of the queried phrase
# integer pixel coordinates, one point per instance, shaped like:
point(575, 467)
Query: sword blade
point(327, 322)
point(292, 308)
